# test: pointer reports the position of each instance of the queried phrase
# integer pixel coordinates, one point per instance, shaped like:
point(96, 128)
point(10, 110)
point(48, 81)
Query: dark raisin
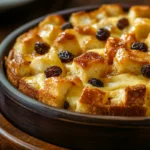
point(41, 47)
point(65, 56)
point(146, 71)
point(53, 71)
point(102, 34)
point(96, 82)
point(139, 46)
point(122, 23)
point(66, 25)
point(66, 105)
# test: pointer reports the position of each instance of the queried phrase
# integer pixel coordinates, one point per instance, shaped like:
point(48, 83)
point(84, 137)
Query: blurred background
point(14, 13)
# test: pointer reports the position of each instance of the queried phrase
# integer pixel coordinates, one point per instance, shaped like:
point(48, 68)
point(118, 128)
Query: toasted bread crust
point(87, 58)
point(28, 90)
point(135, 95)
point(119, 111)
point(12, 77)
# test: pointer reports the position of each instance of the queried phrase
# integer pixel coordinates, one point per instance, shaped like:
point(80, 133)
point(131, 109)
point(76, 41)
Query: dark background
point(12, 18)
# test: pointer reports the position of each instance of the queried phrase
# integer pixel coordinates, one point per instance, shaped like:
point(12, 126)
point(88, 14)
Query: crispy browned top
point(104, 72)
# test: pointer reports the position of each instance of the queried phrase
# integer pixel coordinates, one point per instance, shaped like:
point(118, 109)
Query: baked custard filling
point(96, 62)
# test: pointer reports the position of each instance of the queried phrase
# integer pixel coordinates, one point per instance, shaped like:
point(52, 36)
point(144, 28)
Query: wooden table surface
point(12, 138)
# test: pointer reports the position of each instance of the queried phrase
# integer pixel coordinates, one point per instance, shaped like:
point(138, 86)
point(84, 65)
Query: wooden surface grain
point(12, 138)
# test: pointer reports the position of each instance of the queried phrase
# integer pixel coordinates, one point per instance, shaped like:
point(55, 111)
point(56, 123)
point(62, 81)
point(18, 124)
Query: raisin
point(66, 25)
point(122, 23)
point(53, 71)
point(65, 56)
point(139, 46)
point(146, 71)
point(96, 82)
point(41, 47)
point(102, 34)
point(66, 105)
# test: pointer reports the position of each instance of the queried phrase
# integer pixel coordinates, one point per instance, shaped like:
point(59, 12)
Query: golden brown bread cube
point(81, 19)
point(129, 103)
point(135, 95)
point(87, 39)
point(139, 12)
point(140, 25)
point(53, 20)
point(31, 85)
point(147, 41)
point(49, 33)
point(67, 40)
point(74, 93)
point(130, 61)
point(25, 43)
point(41, 63)
point(91, 97)
point(105, 11)
point(89, 65)
point(54, 91)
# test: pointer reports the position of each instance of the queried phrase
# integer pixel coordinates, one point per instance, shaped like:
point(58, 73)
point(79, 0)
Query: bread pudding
point(95, 62)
